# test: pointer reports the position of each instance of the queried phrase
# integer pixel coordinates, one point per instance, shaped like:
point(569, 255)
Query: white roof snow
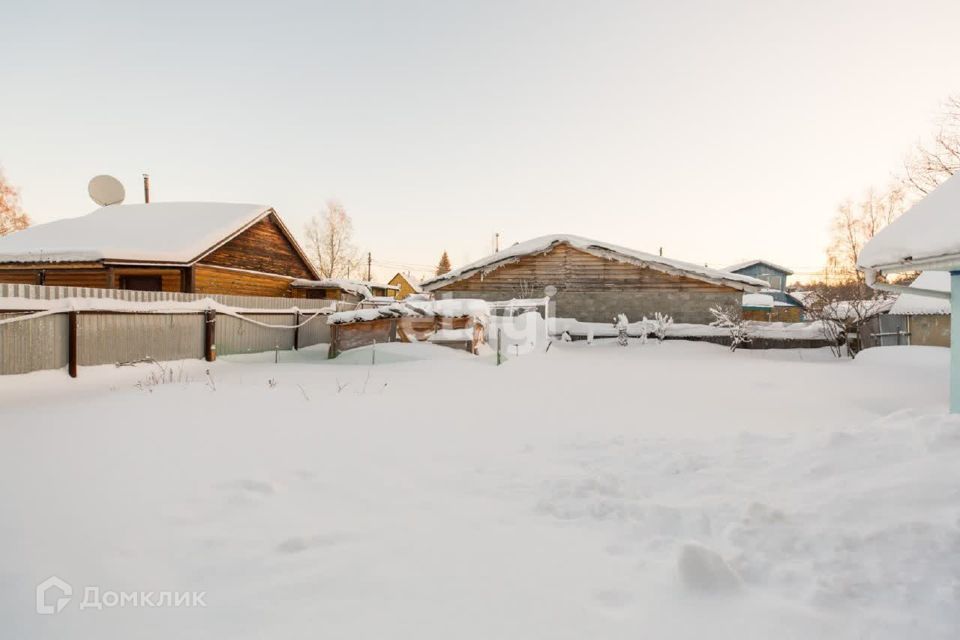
point(601, 249)
point(457, 308)
point(910, 304)
point(764, 300)
point(177, 232)
point(750, 263)
point(353, 287)
point(929, 231)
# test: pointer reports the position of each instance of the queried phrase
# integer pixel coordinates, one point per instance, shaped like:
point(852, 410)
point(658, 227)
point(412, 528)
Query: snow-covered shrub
point(732, 319)
point(660, 324)
point(620, 324)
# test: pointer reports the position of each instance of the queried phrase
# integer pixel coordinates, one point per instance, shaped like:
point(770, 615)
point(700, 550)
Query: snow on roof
point(455, 308)
point(909, 304)
point(856, 310)
point(749, 263)
point(595, 247)
point(764, 300)
point(353, 287)
point(930, 230)
point(178, 232)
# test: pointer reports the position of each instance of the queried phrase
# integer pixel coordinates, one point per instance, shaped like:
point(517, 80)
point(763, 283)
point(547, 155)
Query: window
point(775, 281)
point(141, 283)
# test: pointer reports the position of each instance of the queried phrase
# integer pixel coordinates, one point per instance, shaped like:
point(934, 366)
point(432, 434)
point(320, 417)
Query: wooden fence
point(74, 338)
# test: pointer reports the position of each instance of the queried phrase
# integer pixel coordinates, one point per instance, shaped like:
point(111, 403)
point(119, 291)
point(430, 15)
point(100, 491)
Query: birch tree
point(12, 217)
point(330, 242)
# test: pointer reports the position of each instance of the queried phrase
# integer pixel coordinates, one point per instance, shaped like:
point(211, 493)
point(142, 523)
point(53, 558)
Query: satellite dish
point(106, 190)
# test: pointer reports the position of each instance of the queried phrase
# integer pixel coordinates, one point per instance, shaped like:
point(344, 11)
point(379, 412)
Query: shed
point(593, 281)
point(785, 306)
point(406, 285)
point(925, 320)
point(190, 247)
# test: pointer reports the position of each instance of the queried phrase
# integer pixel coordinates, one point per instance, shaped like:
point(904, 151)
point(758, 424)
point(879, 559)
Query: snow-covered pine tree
point(444, 265)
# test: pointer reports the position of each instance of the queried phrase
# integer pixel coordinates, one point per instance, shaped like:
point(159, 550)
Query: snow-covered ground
point(654, 491)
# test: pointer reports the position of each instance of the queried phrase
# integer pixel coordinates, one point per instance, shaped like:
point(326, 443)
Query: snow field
point(670, 490)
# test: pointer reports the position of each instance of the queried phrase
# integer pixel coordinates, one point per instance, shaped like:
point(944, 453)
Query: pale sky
point(718, 130)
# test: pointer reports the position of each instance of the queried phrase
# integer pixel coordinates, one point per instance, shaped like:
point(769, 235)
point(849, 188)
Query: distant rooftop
point(749, 263)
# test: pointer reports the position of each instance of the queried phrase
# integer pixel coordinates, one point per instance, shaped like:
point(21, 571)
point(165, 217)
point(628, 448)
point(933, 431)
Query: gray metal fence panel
point(108, 338)
point(33, 345)
point(236, 336)
point(317, 331)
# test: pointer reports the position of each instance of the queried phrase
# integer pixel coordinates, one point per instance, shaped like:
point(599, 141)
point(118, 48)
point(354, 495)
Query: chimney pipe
point(146, 188)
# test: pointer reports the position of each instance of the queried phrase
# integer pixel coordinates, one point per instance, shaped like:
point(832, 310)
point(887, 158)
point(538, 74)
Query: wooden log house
point(240, 249)
point(595, 281)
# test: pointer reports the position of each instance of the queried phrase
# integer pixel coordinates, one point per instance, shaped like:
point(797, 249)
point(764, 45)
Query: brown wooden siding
point(264, 248)
point(170, 278)
point(572, 270)
point(208, 279)
point(19, 277)
point(75, 277)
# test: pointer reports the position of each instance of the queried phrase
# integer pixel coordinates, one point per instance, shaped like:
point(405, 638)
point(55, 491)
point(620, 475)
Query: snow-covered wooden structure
point(460, 324)
point(188, 247)
point(593, 281)
point(925, 238)
point(407, 285)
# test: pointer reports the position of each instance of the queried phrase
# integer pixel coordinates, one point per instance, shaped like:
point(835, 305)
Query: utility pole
point(146, 188)
point(369, 262)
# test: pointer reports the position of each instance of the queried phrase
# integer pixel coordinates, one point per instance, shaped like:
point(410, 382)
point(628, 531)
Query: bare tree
point(730, 317)
point(330, 241)
point(12, 217)
point(933, 162)
point(854, 224)
point(844, 309)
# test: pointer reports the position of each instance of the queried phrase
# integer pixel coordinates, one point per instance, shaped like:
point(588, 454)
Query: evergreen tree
point(444, 265)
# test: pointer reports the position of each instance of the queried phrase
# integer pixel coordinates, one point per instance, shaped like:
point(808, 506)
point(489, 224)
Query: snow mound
point(705, 571)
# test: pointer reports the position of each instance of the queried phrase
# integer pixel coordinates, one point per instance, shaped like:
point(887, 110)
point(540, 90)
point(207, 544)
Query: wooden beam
point(210, 335)
point(72, 322)
point(296, 332)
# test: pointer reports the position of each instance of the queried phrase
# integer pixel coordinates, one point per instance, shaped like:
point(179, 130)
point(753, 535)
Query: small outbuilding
point(923, 320)
point(406, 284)
point(783, 307)
point(594, 281)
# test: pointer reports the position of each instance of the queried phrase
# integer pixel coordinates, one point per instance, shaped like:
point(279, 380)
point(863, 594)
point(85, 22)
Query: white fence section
point(39, 292)
point(126, 334)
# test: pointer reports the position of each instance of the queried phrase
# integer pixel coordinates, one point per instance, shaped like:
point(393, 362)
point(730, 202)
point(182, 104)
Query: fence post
point(296, 332)
point(210, 335)
point(72, 322)
point(499, 342)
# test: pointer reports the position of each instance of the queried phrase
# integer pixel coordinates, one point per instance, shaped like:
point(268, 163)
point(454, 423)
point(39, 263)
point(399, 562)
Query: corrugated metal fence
point(107, 337)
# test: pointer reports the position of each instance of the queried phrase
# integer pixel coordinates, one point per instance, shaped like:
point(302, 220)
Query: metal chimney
point(146, 187)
